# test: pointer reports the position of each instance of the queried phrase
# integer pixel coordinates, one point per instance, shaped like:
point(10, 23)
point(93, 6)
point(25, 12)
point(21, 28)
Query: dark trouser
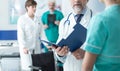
point(59, 68)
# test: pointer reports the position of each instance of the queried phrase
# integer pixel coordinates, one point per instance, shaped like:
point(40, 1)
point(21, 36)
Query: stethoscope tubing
point(68, 21)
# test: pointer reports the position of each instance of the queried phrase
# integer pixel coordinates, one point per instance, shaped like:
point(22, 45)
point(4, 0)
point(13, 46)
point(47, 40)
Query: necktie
point(79, 17)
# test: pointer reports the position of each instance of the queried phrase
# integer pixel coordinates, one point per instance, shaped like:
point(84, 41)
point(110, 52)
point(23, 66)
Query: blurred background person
point(28, 30)
point(51, 20)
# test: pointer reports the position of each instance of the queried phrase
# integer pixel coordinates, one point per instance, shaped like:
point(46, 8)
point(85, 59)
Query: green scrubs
point(103, 38)
point(52, 30)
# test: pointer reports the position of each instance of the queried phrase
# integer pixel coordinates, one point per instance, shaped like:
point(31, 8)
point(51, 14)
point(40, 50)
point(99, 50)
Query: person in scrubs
point(102, 45)
point(28, 30)
point(51, 28)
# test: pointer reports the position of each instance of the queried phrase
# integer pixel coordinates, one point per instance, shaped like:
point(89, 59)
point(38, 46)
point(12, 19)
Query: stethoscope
point(67, 21)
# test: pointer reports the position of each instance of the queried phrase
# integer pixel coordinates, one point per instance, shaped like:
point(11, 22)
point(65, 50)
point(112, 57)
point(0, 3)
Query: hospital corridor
point(59, 35)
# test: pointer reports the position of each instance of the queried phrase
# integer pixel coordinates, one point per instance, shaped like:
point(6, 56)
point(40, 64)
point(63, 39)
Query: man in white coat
point(72, 60)
point(28, 31)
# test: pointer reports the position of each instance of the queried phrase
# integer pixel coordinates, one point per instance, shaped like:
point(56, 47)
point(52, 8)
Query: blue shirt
point(103, 38)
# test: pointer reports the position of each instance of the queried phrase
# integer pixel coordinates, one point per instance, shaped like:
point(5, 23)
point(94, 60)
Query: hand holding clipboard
point(74, 41)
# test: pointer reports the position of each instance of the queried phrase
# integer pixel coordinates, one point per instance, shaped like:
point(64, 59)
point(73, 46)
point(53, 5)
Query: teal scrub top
point(103, 38)
point(52, 30)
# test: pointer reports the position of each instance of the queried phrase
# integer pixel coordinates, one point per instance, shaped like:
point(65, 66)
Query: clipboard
point(51, 18)
point(50, 43)
point(74, 41)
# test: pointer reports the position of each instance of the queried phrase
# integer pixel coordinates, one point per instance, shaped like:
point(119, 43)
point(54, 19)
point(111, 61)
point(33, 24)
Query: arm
point(59, 18)
point(88, 61)
point(95, 42)
point(61, 50)
point(21, 36)
point(44, 21)
point(61, 53)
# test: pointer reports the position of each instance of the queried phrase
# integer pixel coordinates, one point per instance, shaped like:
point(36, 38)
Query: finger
point(64, 49)
point(58, 49)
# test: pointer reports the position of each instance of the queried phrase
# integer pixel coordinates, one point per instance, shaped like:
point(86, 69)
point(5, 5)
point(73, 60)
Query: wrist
point(60, 55)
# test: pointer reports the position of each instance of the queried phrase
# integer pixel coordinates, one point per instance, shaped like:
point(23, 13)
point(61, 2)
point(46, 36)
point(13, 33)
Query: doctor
point(29, 30)
point(72, 61)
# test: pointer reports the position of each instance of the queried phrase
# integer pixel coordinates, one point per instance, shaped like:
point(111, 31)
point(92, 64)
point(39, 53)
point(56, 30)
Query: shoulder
point(98, 19)
point(65, 18)
point(93, 11)
point(99, 16)
point(21, 18)
point(62, 21)
point(94, 14)
point(57, 11)
point(45, 13)
point(90, 11)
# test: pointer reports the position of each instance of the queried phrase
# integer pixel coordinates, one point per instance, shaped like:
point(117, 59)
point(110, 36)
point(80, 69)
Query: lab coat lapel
point(30, 20)
point(32, 24)
point(86, 18)
point(72, 20)
point(72, 23)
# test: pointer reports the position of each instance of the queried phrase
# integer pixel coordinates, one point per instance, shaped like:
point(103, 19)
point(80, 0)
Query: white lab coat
point(71, 63)
point(28, 32)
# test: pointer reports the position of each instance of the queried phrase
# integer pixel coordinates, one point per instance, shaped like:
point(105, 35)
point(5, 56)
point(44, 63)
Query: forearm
point(84, 68)
point(61, 53)
point(88, 61)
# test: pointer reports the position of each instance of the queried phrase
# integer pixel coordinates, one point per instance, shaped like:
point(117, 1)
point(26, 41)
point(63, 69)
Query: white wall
point(4, 16)
point(66, 8)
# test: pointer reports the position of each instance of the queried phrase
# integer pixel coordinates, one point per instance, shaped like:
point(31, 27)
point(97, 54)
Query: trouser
point(59, 68)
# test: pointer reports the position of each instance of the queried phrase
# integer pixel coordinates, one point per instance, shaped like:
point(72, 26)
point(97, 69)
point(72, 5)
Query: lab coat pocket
point(29, 32)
